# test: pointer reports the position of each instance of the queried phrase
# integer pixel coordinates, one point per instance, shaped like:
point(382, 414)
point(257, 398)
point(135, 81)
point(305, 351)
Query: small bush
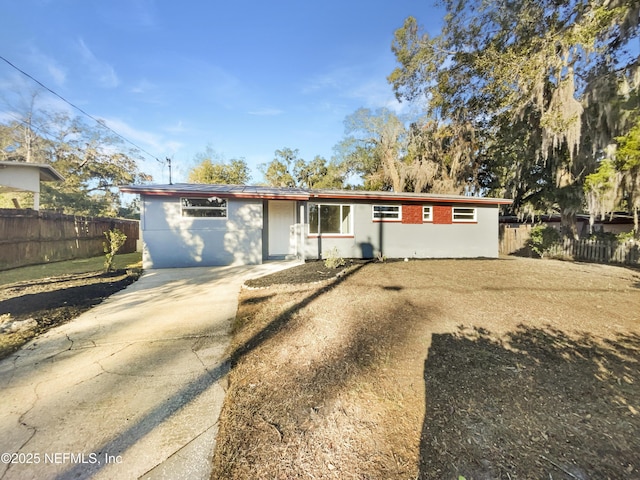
point(333, 259)
point(543, 238)
point(115, 241)
point(625, 237)
point(620, 238)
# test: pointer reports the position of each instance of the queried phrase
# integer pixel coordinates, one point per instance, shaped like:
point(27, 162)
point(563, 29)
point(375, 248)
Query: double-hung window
point(387, 212)
point(329, 219)
point(211, 207)
point(427, 215)
point(464, 214)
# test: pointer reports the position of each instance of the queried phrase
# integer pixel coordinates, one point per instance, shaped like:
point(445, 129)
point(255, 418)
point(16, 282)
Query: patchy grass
point(36, 298)
point(509, 368)
point(69, 267)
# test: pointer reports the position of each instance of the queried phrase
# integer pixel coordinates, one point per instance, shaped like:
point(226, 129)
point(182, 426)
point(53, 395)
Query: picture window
point(329, 219)
point(211, 207)
point(387, 212)
point(464, 214)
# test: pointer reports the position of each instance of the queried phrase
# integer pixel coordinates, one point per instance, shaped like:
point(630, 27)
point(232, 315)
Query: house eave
point(47, 172)
point(406, 198)
point(273, 193)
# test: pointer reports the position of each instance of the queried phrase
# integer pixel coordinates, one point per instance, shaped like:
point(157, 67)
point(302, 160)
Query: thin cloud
point(376, 94)
point(142, 87)
point(129, 14)
point(20, 94)
point(144, 139)
point(55, 71)
point(335, 79)
point(145, 13)
point(176, 128)
point(148, 92)
point(58, 74)
point(347, 83)
point(104, 73)
point(266, 112)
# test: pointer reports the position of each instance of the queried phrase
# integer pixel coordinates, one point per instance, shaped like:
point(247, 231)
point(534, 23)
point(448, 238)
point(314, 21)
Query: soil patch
point(487, 369)
point(30, 308)
point(309, 272)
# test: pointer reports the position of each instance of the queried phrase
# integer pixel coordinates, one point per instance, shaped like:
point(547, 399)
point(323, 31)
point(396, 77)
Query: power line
point(102, 123)
point(30, 125)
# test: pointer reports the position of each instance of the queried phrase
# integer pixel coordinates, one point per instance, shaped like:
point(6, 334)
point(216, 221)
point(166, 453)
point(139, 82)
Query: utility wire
point(99, 122)
point(30, 125)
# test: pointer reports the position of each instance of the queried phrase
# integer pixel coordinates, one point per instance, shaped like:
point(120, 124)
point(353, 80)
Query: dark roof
point(612, 218)
point(230, 191)
point(47, 172)
point(275, 193)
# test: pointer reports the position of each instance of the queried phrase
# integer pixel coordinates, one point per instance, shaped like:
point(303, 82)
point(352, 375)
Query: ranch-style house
point(186, 225)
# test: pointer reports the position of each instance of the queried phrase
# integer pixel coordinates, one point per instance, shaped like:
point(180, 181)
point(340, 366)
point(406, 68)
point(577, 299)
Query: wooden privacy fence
point(29, 237)
point(513, 238)
point(597, 251)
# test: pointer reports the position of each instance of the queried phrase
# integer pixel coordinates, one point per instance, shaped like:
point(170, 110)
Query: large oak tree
point(547, 86)
point(92, 159)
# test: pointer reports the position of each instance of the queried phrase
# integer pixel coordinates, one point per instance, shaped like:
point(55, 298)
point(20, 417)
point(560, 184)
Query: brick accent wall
point(442, 214)
point(411, 213)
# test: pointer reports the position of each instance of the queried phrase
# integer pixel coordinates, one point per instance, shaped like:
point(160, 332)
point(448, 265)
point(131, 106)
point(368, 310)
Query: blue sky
point(246, 77)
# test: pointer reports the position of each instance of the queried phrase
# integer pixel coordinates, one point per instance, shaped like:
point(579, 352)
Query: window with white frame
point(464, 214)
point(212, 207)
point(387, 212)
point(427, 215)
point(329, 219)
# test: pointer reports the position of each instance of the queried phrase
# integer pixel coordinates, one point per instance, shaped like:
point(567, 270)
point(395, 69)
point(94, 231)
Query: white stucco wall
point(426, 240)
point(20, 178)
point(170, 240)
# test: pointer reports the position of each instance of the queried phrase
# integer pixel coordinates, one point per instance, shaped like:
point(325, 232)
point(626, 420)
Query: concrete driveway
point(131, 389)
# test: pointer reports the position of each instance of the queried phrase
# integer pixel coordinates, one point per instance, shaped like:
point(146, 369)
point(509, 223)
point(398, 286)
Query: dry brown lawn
point(510, 368)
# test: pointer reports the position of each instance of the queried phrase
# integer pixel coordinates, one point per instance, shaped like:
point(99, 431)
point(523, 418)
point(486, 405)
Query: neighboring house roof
point(274, 193)
point(622, 218)
point(47, 172)
point(26, 177)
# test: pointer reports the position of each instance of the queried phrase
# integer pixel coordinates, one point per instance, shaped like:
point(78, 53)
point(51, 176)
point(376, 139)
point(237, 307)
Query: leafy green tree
point(374, 147)
point(115, 241)
point(25, 138)
point(279, 171)
point(424, 156)
point(601, 191)
point(288, 170)
point(615, 185)
point(234, 172)
point(553, 75)
point(442, 158)
point(543, 238)
point(628, 164)
point(320, 174)
point(93, 161)
point(89, 159)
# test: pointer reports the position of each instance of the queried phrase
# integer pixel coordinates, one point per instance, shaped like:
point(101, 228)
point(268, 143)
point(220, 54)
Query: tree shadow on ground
point(311, 398)
point(170, 406)
point(30, 304)
point(534, 404)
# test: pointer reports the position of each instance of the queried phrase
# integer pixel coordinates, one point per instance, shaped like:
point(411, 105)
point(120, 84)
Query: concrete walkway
point(131, 389)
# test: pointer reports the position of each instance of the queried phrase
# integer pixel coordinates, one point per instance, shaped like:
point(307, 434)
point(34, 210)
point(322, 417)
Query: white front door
point(282, 215)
